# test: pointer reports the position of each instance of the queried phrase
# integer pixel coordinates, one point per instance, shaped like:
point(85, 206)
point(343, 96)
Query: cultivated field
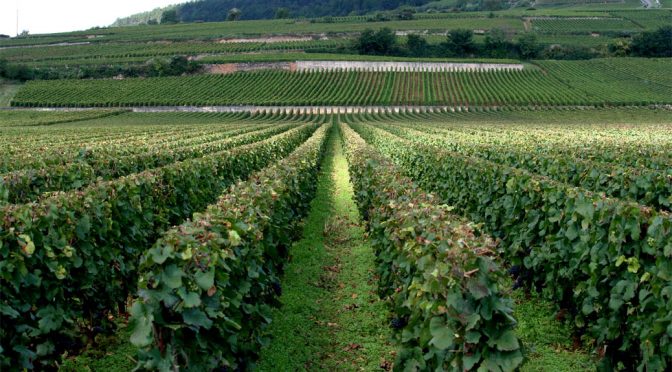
point(609, 81)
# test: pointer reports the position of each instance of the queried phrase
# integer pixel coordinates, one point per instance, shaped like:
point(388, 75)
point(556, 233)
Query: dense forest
point(218, 10)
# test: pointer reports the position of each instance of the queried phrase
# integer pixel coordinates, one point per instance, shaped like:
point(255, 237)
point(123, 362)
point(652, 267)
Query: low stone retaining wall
point(322, 109)
point(403, 66)
point(313, 109)
point(229, 68)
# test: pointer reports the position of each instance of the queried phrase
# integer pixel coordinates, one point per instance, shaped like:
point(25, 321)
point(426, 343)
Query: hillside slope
point(217, 10)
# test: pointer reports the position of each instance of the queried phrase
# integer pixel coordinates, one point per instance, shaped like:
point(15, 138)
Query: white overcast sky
point(45, 16)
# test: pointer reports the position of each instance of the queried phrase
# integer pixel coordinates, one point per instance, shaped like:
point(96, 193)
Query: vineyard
point(446, 186)
point(578, 25)
point(113, 52)
point(614, 80)
point(219, 30)
point(648, 19)
point(598, 17)
point(187, 220)
point(569, 218)
point(557, 83)
point(142, 180)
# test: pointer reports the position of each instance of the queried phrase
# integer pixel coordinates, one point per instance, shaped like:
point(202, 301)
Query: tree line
point(498, 44)
point(154, 67)
point(219, 10)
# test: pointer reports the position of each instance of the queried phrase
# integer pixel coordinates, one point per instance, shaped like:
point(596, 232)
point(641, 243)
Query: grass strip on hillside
point(549, 343)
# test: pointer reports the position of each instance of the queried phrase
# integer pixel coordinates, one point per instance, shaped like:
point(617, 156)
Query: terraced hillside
point(136, 45)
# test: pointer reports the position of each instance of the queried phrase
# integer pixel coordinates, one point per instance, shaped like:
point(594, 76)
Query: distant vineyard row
point(609, 81)
point(94, 53)
point(583, 25)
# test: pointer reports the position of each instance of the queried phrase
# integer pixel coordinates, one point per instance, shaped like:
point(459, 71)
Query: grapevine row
point(26, 185)
point(436, 270)
point(483, 88)
point(647, 187)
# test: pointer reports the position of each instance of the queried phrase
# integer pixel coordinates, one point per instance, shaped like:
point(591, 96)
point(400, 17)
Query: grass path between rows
point(549, 342)
point(331, 318)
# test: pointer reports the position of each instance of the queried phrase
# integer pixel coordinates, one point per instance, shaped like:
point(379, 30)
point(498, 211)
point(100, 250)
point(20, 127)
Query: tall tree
point(528, 47)
point(381, 42)
point(281, 13)
point(496, 44)
point(460, 42)
point(417, 46)
point(169, 16)
point(234, 14)
point(653, 43)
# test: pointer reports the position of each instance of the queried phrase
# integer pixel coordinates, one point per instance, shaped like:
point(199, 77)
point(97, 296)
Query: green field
point(583, 25)
point(647, 18)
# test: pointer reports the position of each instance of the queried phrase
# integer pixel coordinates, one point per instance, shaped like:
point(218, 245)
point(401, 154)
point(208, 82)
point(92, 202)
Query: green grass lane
point(549, 342)
point(331, 318)
point(113, 353)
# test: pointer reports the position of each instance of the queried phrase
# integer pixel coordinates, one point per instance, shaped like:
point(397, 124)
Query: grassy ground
point(549, 343)
point(112, 353)
point(7, 91)
point(331, 317)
